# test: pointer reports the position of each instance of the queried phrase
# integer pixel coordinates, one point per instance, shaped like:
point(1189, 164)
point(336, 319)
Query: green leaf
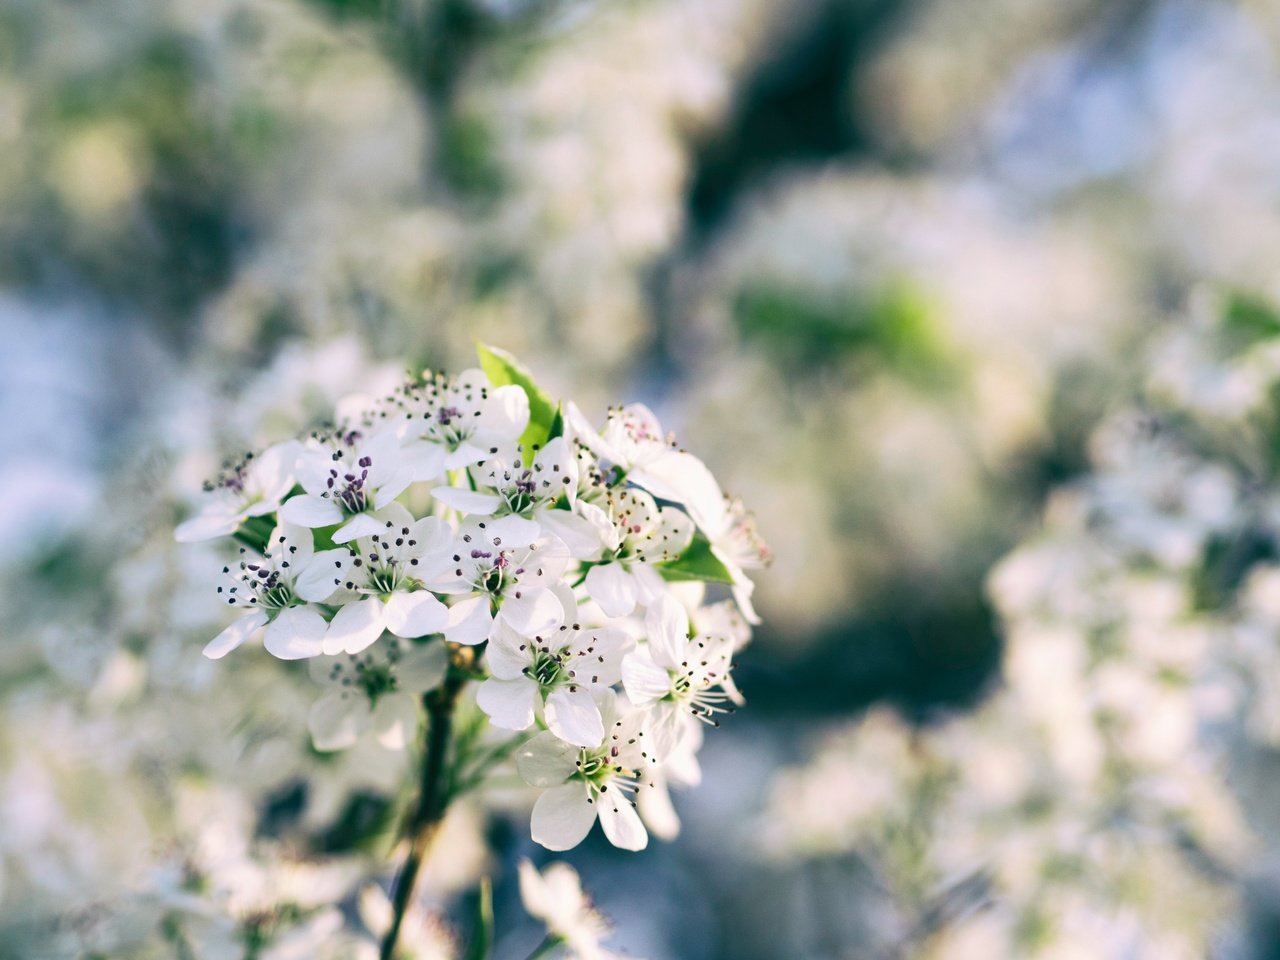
point(482, 929)
point(255, 532)
point(502, 369)
point(696, 563)
point(1249, 319)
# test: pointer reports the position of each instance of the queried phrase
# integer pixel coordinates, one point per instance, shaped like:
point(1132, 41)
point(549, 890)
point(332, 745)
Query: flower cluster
point(469, 528)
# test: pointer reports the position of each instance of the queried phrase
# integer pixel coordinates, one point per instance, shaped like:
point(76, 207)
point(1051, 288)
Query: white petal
point(470, 621)
point(417, 614)
point(308, 510)
point(611, 587)
point(643, 679)
point(562, 817)
point(621, 823)
point(511, 532)
point(683, 478)
point(534, 612)
point(666, 625)
point(273, 470)
point(296, 633)
point(424, 461)
point(574, 717)
point(361, 525)
point(322, 575)
point(467, 501)
point(742, 591)
point(506, 412)
point(355, 627)
point(207, 525)
point(464, 456)
point(234, 635)
point(533, 892)
point(314, 464)
point(576, 532)
point(422, 666)
point(546, 760)
point(509, 703)
point(657, 811)
point(649, 585)
point(337, 719)
point(395, 720)
point(506, 659)
point(393, 486)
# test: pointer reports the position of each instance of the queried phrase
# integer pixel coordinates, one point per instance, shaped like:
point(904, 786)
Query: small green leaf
point(482, 929)
point(502, 369)
point(696, 563)
point(255, 532)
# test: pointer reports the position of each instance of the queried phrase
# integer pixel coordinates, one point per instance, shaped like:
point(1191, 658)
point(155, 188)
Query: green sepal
point(503, 369)
point(697, 562)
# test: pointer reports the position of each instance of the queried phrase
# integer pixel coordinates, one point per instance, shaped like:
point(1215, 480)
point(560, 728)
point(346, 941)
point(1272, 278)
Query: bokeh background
point(969, 299)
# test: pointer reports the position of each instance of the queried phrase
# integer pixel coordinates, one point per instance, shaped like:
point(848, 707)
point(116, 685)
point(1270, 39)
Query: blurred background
point(970, 301)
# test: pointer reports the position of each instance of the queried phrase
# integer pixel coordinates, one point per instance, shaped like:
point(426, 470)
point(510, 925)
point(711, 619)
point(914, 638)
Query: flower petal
point(509, 703)
point(355, 627)
point(337, 719)
point(657, 811)
point(666, 625)
point(532, 612)
point(361, 525)
point(621, 823)
point(562, 817)
point(470, 621)
point(309, 510)
point(207, 525)
point(467, 501)
point(424, 461)
point(234, 635)
point(322, 575)
point(574, 717)
point(612, 588)
point(508, 654)
point(422, 666)
point(416, 614)
point(395, 720)
point(643, 679)
point(506, 412)
point(546, 760)
point(295, 634)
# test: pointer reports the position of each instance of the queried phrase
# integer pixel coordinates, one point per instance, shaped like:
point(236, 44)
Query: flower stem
point(433, 799)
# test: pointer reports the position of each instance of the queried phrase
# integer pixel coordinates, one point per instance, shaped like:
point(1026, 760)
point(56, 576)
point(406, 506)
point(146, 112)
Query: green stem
point(433, 800)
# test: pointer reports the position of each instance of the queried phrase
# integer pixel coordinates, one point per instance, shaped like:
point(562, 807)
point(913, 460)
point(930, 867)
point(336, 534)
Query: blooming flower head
point(252, 488)
point(376, 690)
point(638, 534)
point(448, 423)
point(501, 565)
point(561, 673)
point(346, 479)
point(677, 674)
point(277, 591)
point(516, 481)
point(581, 784)
point(555, 897)
point(379, 586)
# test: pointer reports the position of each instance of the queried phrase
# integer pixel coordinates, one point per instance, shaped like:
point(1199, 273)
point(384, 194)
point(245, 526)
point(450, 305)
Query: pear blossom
point(448, 423)
point(252, 488)
point(516, 481)
point(581, 784)
point(555, 896)
point(561, 673)
point(277, 591)
point(504, 570)
point(380, 587)
point(676, 674)
point(640, 534)
point(346, 479)
point(377, 690)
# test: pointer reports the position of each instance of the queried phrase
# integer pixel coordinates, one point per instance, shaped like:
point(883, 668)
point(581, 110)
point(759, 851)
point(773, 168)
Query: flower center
point(349, 490)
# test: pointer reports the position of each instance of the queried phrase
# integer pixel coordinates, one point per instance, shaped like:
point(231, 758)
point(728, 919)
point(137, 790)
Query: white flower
point(276, 591)
point(347, 478)
point(376, 690)
point(583, 783)
point(382, 589)
point(452, 422)
point(639, 533)
point(675, 674)
point(503, 564)
point(555, 897)
point(512, 480)
point(631, 440)
point(679, 767)
point(252, 488)
point(561, 672)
